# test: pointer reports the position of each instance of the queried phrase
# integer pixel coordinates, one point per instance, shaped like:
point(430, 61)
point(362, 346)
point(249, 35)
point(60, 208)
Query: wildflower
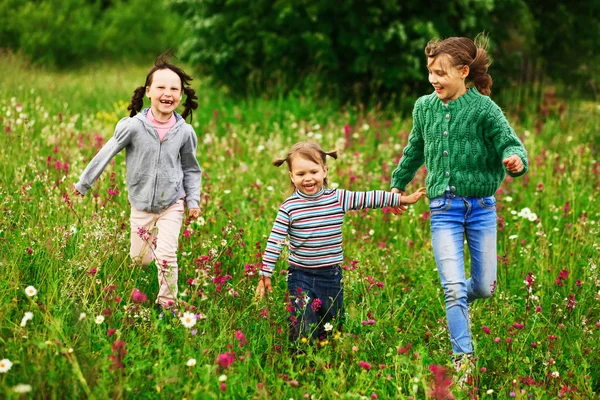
point(328, 327)
point(30, 291)
point(191, 362)
point(241, 338)
point(28, 316)
point(554, 374)
point(99, 319)
point(82, 316)
point(364, 365)
point(138, 297)
point(223, 387)
point(110, 332)
point(486, 329)
point(490, 391)
point(22, 388)
point(316, 305)
point(5, 365)
point(188, 319)
point(441, 384)
point(355, 348)
point(226, 359)
point(222, 378)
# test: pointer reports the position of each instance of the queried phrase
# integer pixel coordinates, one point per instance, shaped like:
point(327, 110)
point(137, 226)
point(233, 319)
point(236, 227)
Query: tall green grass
point(75, 253)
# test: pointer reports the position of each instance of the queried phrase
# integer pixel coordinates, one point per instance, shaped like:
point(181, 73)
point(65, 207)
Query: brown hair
point(309, 151)
point(464, 51)
point(162, 62)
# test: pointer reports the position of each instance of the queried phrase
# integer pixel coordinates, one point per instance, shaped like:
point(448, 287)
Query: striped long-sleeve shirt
point(314, 226)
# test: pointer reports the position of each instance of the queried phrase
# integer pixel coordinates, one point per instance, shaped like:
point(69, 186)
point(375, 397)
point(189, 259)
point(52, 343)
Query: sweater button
point(452, 189)
point(445, 133)
point(447, 174)
point(445, 153)
point(448, 116)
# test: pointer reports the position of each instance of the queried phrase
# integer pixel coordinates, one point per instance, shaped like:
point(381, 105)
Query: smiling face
point(448, 80)
point(306, 175)
point(164, 93)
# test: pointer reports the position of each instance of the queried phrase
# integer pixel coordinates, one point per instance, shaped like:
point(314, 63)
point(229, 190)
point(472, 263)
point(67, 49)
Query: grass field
point(87, 337)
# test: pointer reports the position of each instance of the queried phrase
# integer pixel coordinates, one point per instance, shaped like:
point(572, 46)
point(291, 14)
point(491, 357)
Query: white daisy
point(191, 362)
point(99, 319)
point(30, 291)
point(328, 327)
point(5, 365)
point(188, 319)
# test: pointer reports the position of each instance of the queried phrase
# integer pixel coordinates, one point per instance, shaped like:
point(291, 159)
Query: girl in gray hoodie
point(162, 170)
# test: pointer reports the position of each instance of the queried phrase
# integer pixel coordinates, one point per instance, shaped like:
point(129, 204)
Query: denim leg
point(330, 292)
point(447, 230)
point(308, 317)
point(481, 237)
point(300, 294)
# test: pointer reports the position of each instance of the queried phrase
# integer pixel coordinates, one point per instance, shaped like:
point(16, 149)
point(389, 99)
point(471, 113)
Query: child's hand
point(400, 209)
point(194, 213)
point(413, 198)
point(76, 192)
point(513, 164)
point(264, 285)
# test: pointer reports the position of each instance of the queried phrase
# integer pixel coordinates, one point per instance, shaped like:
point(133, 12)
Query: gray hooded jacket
point(158, 173)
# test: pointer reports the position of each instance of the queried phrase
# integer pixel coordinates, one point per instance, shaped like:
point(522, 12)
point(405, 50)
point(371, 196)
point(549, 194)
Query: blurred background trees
point(348, 49)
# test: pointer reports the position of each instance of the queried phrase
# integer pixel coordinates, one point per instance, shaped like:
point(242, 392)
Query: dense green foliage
point(65, 33)
point(363, 47)
point(88, 337)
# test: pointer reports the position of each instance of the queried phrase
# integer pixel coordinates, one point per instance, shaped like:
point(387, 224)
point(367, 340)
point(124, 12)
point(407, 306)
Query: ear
point(326, 171)
point(291, 177)
point(464, 72)
point(148, 91)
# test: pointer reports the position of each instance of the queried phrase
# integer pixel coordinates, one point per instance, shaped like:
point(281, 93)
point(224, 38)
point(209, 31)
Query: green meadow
point(70, 327)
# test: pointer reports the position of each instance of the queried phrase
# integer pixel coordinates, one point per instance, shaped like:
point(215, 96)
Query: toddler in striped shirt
point(312, 219)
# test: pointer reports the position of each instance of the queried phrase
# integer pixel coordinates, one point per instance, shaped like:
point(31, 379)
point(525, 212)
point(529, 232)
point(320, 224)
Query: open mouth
point(167, 102)
point(309, 187)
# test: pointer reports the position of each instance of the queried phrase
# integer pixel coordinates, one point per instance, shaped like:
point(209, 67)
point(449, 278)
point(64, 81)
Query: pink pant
point(156, 237)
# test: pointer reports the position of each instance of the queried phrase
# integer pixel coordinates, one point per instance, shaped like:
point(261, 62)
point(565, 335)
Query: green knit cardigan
point(462, 145)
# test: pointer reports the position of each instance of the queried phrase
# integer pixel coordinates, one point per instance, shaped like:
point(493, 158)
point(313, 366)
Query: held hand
point(513, 164)
point(400, 209)
point(194, 213)
point(76, 192)
point(413, 198)
point(264, 285)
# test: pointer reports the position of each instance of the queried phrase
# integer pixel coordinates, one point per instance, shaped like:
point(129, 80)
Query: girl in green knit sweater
point(468, 146)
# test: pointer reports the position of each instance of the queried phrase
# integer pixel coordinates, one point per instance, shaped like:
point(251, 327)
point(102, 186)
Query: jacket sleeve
point(120, 139)
point(506, 141)
point(275, 242)
point(192, 174)
point(413, 155)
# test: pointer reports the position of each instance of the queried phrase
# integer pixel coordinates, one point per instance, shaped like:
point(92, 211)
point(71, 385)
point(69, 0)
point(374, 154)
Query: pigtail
point(479, 66)
point(279, 162)
point(333, 154)
point(137, 101)
point(190, 102)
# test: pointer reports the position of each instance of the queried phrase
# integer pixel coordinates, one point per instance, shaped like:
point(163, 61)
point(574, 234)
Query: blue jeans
point(452, 218)
point(308, 317)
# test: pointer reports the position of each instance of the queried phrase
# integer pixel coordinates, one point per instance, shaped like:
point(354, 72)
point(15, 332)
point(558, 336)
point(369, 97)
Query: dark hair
point(162, 62)
point(464, 51)
point(308, 150)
